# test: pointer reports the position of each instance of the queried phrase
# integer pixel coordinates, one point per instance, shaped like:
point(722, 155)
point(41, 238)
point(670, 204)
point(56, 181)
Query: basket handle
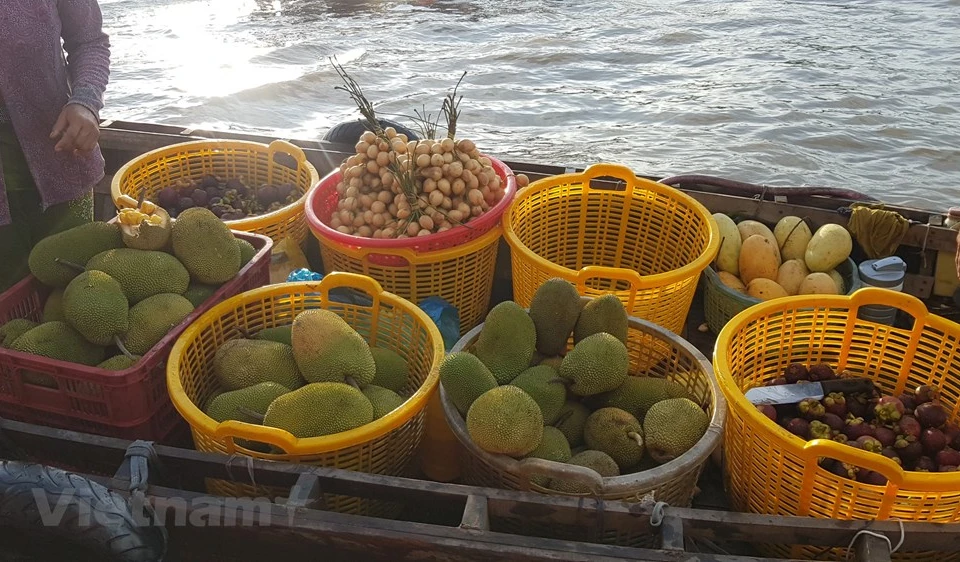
point(289, 148)
point(336, 279)
point(531, 467)
point(602, 271)
point(363, 253)
point(231, 430)
point(844, 453)
point(604, 169)
point(885, 297)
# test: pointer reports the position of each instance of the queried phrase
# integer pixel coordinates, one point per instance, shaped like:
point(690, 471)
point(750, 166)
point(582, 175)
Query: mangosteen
point(932, 440)
point(885, 435)
point(199, 197)
point(952, 433)
point(908, 451)
point(235, 183)
point(776, 381)
point(931, 414)
point(822, 372)
point(891, 453)
point(267, 195)
point(208, 181)
point(168, 198)
point(858, 404)
point(810, 409)
point(769, 411)
point(796, 372)
point(925, 393)
point(844, 470)
point(835, 403)
point(948, 456)
point(856, 428)
point(233, 215)
point(871, 477)
point(888, 409)
point(925, 464)
point(868, 443)
point(799, 427)
point(284, 190)
point(908, 401)
point(908, 426)
point(214, 201)
point(185, 203)
point(834, 421)
point(819, 430)
point(947, 468)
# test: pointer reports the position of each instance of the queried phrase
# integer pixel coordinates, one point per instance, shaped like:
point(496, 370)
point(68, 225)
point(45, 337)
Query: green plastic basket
point(721, 303)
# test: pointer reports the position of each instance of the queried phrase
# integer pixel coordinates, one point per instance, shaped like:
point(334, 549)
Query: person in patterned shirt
point(50, 102)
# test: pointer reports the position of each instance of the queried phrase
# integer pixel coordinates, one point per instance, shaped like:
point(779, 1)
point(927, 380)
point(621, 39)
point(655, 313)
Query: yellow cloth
point(877, 230)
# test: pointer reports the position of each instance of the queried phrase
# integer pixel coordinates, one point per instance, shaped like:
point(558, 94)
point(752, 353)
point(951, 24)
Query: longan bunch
point(396, 188)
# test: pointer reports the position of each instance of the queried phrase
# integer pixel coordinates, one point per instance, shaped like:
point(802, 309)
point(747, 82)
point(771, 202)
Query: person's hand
point(76, 128)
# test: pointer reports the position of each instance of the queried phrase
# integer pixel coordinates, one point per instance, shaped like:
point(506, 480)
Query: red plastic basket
point(322, 202)
point(128, 404)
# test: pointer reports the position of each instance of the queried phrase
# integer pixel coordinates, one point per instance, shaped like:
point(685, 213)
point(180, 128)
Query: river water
point(862, 94)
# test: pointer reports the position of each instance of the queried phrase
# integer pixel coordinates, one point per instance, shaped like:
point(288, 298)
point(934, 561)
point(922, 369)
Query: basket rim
point(200, 422)
point(591, 172)
point(238, 224)
point(714, 279)
point(910, 481)
point(322, 230)
point(650, 477)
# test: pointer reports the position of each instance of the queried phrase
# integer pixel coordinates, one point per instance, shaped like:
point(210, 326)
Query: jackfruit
point(570, 421)
point(279, 334)
point(554, 362)
point(75, 245)
point(205, 246)
point(241, 363)
point(13, 329)
point(597, 461)
point(596, 364)
point(637, 394)
point(247, 251)
point(536, 359)
point(320, 408)
point(602, 314)
point(94, 304)
point(553, 447)
point(152, 318)
point(383, 400)
point(239, 404)
point(554, 308)
point(616, 433)
point(198, 293)
point(505, 420)
point(53, 307)
point(145, 228)
point(672, 427)
point(58, 340)
point(142, 273)
point(119, 362)
point(327, 349)
point(546, 388)
point(392, 370)
point(464, 378)
point(507, 341)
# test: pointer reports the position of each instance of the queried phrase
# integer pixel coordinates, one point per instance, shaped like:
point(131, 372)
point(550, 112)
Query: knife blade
point(793, 393)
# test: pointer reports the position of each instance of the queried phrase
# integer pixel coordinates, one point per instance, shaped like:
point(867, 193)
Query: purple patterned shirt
point(36, 81)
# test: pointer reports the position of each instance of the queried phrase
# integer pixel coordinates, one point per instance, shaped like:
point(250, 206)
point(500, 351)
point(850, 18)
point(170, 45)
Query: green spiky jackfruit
point(598, 363)
point(594, 460)
point(95, 305)
point(239, 404)
point(571, 419)
point(327, 349)
point(383, 399)
point(392, 370)
point(53, 307)
point(247, 251)
point(507, 341)
point(616, 433)
point(75, 245)
point(637, 394)
point(280, 334)
point(672, 427)
point(152, 318)
point(240, 363)
point(320, 408)
point(602, 314)
point(119, 362)
point(546, 388)
point(13, 329)
point(505, 420)
point(58, 340)
point(198, 293)
point(553, 447)
point(464, 378)
point(205, 246)
point(142, 273)
point(554, 308)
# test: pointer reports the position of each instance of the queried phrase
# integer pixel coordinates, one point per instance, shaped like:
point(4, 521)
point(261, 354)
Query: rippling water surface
point(856, 93)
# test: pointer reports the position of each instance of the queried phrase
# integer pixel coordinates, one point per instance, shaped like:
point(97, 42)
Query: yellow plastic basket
point(641, 240)
point(673, 482)
point(385, 446)
point(257, 163)
point(769, 470)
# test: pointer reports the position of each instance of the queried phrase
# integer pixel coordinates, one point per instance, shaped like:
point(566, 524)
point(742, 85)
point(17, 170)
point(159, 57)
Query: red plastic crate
point(129, 404)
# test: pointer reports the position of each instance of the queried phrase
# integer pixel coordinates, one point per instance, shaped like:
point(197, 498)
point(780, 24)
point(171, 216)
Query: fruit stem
point(70, 264)
point(636, 437)
point(123, 349)
point(250, 413)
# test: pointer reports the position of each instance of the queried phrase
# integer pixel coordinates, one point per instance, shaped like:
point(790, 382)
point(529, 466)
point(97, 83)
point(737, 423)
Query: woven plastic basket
point(277, 163)
point(721, 303)
point(384, 446)
point(673, 482)
point(769, 470)
point(640, 240)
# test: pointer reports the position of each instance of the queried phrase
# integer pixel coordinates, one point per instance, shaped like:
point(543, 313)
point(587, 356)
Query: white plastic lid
point(884, 272)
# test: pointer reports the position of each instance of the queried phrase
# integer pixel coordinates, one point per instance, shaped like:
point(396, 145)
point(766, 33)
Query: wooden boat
point(456, 524)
